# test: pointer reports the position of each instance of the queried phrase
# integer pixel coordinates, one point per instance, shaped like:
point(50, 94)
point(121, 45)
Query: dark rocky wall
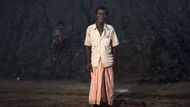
point(154, 38)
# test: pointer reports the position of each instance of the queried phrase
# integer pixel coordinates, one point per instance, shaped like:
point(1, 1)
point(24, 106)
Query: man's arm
point(114, 52)
point(88, 56)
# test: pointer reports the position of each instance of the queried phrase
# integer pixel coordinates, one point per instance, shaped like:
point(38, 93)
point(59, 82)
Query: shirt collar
point(105, 26)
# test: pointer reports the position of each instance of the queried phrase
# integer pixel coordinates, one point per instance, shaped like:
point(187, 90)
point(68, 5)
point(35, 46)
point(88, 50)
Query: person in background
point(57, 42)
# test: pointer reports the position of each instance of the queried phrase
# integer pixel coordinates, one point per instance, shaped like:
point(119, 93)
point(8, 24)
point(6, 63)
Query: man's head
point(60, 23)
point(101, 13)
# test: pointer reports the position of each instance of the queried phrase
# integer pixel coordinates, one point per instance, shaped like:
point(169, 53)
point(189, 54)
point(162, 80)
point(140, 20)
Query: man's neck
point(99, 25)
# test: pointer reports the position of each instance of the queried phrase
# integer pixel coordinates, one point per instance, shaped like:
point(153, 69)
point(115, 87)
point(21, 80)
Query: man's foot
point(95, 105)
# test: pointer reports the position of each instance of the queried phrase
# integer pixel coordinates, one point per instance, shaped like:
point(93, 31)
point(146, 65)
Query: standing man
point(101, 42)
point(57, 42)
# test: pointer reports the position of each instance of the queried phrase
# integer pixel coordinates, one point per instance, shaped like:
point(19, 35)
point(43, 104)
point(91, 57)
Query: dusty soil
point(74, 94)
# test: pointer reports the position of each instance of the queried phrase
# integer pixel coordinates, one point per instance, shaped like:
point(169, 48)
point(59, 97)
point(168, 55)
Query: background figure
point(57, 42)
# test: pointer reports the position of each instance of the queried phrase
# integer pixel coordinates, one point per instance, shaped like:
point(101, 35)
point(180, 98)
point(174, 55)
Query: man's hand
point(89, 67)
point(114, 52)
point(88, 55)
point(115, 67)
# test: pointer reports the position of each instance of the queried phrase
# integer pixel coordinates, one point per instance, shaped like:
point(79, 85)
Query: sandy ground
point(74, 94)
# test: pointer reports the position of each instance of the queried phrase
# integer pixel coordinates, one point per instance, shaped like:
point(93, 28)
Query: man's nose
point(101, 15)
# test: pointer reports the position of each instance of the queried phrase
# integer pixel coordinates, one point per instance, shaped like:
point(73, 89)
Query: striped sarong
point(102, 85)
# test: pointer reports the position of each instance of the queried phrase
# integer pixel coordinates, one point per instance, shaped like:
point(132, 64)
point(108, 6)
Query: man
point(57, 42)
point(101, 42)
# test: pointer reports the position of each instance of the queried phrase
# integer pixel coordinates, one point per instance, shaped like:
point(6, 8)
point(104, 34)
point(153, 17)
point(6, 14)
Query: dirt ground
point(75, 94)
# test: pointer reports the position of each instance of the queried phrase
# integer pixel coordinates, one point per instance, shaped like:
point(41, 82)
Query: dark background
point(154, 38)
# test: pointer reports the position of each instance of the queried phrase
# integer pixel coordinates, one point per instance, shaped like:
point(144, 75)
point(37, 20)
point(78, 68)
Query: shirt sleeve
point(87, 41)
point(115, 40)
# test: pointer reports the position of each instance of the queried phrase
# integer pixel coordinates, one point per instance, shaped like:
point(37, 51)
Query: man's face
point(101, 16)
point(57, 32)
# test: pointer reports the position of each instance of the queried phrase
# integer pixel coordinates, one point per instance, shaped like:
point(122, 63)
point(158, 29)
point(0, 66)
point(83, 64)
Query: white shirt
point(101, 46)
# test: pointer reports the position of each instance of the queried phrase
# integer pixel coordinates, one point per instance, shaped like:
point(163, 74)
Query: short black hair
point(60, 23)
point(101, 8)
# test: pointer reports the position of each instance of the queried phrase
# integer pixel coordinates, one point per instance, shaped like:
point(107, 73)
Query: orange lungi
point(102, 85)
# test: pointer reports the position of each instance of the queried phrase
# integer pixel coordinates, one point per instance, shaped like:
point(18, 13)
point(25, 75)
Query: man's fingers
point(90, 70)
point(89, 67)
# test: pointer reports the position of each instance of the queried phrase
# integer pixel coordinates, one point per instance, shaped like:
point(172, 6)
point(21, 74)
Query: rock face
point(154, 38)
